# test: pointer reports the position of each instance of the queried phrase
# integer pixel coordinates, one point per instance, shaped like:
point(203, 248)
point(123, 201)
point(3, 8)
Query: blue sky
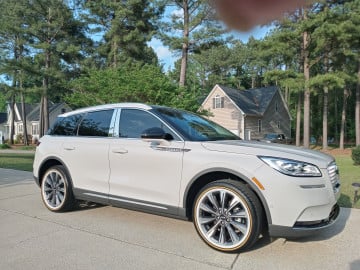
point(167, 58)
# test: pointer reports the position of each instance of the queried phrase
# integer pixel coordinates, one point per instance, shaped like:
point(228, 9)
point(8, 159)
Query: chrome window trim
point(179, 139)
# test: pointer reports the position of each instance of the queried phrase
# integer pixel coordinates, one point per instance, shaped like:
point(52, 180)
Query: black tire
point(56, 190)
point(227, 215)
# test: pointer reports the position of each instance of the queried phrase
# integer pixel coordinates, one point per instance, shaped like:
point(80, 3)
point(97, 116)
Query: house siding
point(229, 117)
point(272, 116)
point(35, 113)
point(275, 113)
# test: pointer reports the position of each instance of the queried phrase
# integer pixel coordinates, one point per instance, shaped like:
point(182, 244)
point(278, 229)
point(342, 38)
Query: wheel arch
point(50, 162)
point(206, 177)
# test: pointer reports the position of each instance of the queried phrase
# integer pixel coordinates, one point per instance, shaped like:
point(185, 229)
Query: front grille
point(333, 172)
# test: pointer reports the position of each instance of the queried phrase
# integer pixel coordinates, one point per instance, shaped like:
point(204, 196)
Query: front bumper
point(301, 229)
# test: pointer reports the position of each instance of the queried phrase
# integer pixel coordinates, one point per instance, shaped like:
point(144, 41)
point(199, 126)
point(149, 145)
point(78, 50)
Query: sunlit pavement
point(103, 237)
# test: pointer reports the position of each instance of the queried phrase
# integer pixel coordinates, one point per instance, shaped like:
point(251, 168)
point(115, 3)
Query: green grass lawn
point(349, 173)
point(17, 161)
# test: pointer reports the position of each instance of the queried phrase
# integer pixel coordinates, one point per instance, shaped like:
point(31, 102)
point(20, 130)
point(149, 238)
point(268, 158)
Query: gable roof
point(28, 109)
point(253, 101)
point(34, 115)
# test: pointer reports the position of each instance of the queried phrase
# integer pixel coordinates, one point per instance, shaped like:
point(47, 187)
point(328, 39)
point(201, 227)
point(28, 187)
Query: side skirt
point(131, 204)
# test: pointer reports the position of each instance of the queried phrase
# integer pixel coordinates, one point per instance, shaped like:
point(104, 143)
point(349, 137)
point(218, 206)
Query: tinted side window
point(66, 126)
point(134, 122)
point(96, 123)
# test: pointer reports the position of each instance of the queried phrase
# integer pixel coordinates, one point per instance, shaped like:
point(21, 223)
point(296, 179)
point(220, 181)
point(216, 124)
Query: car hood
point(270, 149)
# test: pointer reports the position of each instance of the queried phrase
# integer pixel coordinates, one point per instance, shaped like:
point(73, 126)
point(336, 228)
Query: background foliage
point(95, 52)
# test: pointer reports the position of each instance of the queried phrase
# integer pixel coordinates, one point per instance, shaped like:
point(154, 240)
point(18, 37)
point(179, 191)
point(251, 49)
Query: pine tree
point(56, 38)
point(196, 22)
point(126, 27)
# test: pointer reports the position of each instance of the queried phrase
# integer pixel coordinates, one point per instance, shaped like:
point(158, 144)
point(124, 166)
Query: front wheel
point(56, 190)
point(227, 215)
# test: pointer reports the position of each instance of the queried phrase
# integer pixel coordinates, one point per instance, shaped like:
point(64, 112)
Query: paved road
point(95, 237)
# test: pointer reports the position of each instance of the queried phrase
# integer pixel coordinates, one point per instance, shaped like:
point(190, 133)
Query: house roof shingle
point(28, 109)
point(252, 101)
point(34, 115)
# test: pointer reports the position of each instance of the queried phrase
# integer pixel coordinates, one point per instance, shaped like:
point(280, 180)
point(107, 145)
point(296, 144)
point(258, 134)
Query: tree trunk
point(12, 120)
point(41, 117)
point(306, 130)
point(325, 118)
point(343, 118)
point(185, 45)
point(23, 116)
point(357, 108)
point(44, 111)
point(298, 119)
point(23, 113)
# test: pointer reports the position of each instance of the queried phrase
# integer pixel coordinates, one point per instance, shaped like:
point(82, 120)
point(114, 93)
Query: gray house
point(32, 112)
point(249, 113)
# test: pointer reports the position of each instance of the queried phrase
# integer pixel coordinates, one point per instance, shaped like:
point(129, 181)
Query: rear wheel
point(56, 190)
point(227, 215)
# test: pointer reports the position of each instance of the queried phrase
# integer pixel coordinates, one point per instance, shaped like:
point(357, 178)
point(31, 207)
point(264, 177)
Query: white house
point(32, 112)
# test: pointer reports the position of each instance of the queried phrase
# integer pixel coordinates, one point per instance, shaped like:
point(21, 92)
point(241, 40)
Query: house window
point(276, 107)
point(218, 102)
point(278, 124)
point(20, 128)
point(35, 129)
point(259, 125)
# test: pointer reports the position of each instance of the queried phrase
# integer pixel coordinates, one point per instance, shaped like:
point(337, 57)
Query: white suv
point(175, 163)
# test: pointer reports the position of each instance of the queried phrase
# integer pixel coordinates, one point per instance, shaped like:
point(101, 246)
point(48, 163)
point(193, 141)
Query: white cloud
point(164, 54)
point(178, 13)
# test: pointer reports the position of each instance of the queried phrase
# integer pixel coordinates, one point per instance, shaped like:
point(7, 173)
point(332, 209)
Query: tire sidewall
point(65, 203)
point(240, 191)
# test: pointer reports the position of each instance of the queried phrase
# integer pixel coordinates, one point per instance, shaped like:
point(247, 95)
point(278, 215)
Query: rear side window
point(66, 126)
point(96, 124)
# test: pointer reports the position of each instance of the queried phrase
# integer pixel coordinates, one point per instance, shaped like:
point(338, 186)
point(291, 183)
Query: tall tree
point(126, 27)
point(56, 39)
point(192, 24)
point(12, 40)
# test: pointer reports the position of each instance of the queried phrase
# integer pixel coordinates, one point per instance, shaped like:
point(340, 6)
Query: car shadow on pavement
point(330, 232)
point(325, 234)
point(355, 265)
point(85, 205)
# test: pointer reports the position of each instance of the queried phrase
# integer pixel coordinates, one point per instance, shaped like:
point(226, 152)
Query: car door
point(86, 154)
point(143, 173)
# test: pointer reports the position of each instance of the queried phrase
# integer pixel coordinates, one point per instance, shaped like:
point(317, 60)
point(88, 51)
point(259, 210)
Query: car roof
point(108, 106)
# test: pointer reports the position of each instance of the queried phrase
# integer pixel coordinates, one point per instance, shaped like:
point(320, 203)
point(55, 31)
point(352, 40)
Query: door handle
point(120, 151)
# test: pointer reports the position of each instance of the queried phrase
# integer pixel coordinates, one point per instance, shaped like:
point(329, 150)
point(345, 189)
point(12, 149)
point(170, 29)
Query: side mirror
point(156, 133)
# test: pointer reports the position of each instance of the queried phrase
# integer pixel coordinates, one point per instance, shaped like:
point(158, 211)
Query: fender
point(248, 181)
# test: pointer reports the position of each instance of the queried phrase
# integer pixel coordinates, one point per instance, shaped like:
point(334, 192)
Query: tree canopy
point(91, 52)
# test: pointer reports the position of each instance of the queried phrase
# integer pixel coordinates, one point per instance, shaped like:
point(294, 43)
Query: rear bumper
point(301, 229)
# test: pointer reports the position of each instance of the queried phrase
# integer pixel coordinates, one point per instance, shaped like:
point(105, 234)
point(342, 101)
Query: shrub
point(356, 155)
point(4, 146)
point(19, 139)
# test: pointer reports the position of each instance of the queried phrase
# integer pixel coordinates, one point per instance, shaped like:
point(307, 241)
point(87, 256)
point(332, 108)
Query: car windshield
point(193, 127)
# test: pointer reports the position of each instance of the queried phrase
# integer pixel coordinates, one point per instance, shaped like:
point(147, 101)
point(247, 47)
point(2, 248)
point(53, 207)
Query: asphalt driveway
point(103, 237)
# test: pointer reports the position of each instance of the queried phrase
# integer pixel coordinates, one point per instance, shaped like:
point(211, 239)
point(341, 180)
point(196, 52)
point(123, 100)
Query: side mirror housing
point(156, 133)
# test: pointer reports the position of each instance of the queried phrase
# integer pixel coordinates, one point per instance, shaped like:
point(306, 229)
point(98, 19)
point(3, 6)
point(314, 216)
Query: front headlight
point(292, 167)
